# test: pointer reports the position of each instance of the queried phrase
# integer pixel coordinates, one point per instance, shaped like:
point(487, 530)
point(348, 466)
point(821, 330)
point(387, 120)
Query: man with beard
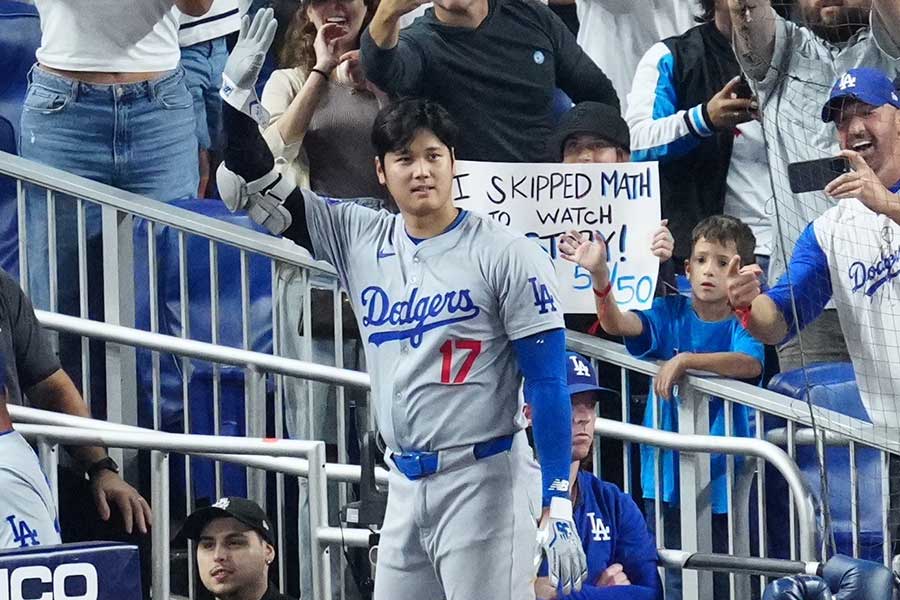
point(790, 68)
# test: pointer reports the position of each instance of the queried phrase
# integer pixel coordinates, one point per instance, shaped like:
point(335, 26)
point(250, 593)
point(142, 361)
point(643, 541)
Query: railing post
point(118, 307)
point(255, 415)
point(696, 491)
point(159, 498)
point(318, 519)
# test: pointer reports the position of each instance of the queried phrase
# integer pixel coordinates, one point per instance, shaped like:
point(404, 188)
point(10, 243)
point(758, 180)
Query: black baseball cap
point(246, 511)
point(593, 118)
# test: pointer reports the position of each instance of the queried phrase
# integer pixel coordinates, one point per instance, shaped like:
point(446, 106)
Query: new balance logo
point(598, 529)
point(559, 485)
point(847, 81)
point(23, 535)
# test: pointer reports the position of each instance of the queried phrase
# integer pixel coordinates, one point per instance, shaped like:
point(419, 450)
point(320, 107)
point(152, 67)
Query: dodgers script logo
point(409, 319)
point(871, 278)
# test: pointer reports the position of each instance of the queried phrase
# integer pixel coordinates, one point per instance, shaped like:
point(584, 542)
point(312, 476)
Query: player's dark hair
point(397, 124)
point(723, 229)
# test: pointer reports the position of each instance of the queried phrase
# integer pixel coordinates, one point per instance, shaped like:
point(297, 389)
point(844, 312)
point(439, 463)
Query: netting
point(850, 251)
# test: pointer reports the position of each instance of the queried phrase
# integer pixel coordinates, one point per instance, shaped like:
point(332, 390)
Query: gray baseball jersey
point(27, 511)
point(437, 318)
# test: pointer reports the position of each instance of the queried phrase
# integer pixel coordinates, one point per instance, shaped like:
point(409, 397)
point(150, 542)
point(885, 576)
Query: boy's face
point(419, 177)
point(707, 270)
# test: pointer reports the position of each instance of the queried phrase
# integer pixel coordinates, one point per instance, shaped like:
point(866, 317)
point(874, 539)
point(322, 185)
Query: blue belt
point(416, 465)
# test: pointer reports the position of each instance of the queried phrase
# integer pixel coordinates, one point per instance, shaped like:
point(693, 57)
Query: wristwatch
point(107, 464)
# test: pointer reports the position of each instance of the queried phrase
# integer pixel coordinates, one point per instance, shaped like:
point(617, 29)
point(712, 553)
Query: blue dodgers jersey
point(671, 326)
point(438, 318)
point(852, 256)
point(613, 530)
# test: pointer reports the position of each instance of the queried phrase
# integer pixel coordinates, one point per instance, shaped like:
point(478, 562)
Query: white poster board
point(544, 200)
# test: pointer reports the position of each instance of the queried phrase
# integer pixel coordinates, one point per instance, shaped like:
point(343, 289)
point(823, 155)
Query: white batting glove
point(558, 540)
point(263, 199)
point(245, 62)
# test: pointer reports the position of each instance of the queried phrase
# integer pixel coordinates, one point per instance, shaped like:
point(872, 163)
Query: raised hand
point(578, 248)
point(246, 59)
point(861, 183)
point(663, 244)
point(727, 110)
point(327, 45)
point(742, 283)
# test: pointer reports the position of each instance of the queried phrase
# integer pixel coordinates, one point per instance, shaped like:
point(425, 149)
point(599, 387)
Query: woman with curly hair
point(321, 106)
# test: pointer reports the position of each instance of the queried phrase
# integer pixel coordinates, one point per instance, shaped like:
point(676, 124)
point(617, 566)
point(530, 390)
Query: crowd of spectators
point(724, 94)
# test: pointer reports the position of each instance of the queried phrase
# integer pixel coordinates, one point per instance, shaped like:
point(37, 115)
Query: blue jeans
point(203, 64)
point(137, 137)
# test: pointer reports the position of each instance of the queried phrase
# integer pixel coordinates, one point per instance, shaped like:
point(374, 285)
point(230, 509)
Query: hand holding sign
point(580, 249)
point(663, 244)
point(743, 283)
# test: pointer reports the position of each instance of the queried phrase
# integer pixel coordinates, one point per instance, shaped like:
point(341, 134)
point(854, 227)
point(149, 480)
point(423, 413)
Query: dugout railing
point(694, 468)
point(306, 459)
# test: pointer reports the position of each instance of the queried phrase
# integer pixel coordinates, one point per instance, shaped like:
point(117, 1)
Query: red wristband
point(602, 295)
point(743, 315)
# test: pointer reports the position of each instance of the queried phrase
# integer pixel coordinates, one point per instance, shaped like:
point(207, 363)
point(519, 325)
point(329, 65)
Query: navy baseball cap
point(863, 84)
point(246, 511)
point(581, 376)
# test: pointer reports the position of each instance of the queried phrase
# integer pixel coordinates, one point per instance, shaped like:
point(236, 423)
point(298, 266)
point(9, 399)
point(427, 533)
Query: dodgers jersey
point(853, 255)
point(437, 317)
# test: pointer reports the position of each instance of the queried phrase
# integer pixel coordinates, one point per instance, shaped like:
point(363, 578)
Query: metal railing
point(49, 429)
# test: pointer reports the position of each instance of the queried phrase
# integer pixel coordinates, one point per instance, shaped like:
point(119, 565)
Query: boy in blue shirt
point(621, 553)
point(700, 333)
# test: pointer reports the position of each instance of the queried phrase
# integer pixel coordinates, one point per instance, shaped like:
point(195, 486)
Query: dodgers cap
point(863, 84)
point(593, 118)
point(246, 511)
point(582, 377)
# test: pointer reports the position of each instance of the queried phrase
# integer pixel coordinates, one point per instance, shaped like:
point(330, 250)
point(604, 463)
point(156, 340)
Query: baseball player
point(454, 311)
point(27, 509)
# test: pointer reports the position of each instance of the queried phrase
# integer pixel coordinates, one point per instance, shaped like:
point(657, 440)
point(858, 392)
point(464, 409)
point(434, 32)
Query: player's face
point(232, 558)
point(419, 177)
point(707, 270)
point(348, 14)
point(875, 134)
point(583, 416)
point(589, 148)
point(835, 20)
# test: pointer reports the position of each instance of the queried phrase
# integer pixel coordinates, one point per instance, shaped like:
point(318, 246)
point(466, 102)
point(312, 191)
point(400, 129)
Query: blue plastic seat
point(200, 377)
point(833, 386)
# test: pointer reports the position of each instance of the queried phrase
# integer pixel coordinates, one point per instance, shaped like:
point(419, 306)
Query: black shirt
point(272, 593)
point(497, 80)
point(28, 355)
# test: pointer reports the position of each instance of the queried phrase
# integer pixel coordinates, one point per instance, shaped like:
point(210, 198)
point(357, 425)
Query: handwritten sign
point(544, 200)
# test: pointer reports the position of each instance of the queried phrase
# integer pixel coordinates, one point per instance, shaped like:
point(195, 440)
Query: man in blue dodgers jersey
point(621, 553)
point(851, 254)
point(452, 308)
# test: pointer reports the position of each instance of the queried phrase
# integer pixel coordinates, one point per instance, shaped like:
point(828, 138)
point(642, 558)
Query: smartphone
point(814, 175)
point(743, 88)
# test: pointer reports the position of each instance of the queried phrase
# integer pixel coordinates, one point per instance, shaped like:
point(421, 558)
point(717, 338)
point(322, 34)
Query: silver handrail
point(277, 455)
point(185, 220)
point(202, 350)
